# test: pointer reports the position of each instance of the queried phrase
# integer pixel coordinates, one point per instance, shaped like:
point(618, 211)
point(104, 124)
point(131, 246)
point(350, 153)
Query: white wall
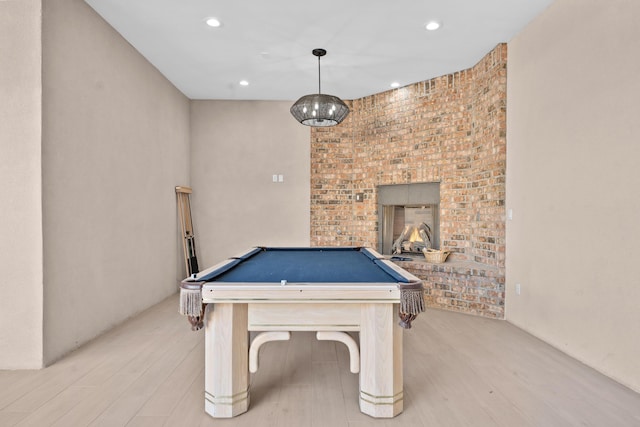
point(115, 144)
point(573, 182)
point(236, 147)
point(21, 191)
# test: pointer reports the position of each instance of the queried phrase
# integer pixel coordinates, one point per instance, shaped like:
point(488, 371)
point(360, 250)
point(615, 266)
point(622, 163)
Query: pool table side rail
point(269, 292)
point(223, 266)
point(409, 278)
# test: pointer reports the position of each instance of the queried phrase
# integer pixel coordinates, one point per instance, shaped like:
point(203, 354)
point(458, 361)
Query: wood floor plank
point(119, 359)
point(543, 384)
point(15, 385)
point(267, 384)
point(147, 421)
point(25, 390)
point(50, 384)
point(459, 370)
point(295, 407)
point(128, 368)
point(96, 401)
point(127, 405)
point(10, 378)
point(323, 351)
point(55, 408)
point(298, 360)
point(350, 384)
point(328, 396)
point(463, 353)
point(167, 396)
point(190, 409)
point(10, 419)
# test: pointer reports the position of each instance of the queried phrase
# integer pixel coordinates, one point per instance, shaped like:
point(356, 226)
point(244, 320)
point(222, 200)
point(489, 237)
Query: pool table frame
point(274, 310)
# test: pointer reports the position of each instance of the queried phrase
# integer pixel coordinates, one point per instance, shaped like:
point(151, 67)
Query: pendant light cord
point(319, 91)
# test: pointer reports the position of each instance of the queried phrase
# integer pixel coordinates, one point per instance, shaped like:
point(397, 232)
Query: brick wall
point(450, 129)
point(471, 288)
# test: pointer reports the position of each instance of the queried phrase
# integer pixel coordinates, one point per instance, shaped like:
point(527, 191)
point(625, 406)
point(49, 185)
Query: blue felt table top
point(306, 265)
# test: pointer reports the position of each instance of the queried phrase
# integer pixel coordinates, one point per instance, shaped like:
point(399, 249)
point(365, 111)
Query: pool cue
point(193, 258)
point(186, 225)
point(191, 240)
point(180, 192)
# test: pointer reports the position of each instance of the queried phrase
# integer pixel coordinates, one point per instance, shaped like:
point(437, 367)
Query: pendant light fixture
point(319, 109)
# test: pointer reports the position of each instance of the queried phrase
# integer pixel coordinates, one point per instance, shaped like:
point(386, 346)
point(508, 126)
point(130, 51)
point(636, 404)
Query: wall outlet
point(517, 288)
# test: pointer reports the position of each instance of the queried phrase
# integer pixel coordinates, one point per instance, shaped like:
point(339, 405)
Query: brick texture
point(450, 129)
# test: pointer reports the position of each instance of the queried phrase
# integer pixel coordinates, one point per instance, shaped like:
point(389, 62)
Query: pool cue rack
point(186, 225)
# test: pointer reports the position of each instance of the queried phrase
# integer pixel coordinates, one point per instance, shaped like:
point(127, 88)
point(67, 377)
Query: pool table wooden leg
point(226, 360)
point(381, 381)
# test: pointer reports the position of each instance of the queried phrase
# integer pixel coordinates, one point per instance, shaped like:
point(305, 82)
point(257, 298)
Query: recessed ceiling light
point(213, 22)
point(432, 25)
point(244, 83)
point(395, 84)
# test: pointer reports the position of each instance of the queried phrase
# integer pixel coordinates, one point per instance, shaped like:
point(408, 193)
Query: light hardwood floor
point(459, 371)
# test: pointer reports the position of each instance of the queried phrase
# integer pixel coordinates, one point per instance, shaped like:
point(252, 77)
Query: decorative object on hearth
point(435, 256)
point(319, 109)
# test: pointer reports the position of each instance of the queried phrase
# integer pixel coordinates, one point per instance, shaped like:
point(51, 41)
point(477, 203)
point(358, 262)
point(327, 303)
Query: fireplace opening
point(408, 218)
point(410, 229)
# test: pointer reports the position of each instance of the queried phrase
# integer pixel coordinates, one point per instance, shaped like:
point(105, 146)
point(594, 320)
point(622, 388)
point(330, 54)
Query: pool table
point(334, 291)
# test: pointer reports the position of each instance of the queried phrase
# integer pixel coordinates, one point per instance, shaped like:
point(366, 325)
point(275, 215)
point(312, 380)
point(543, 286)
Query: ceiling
point(369, 43)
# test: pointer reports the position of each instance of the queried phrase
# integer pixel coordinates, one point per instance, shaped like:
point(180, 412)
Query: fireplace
point(408, 217)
